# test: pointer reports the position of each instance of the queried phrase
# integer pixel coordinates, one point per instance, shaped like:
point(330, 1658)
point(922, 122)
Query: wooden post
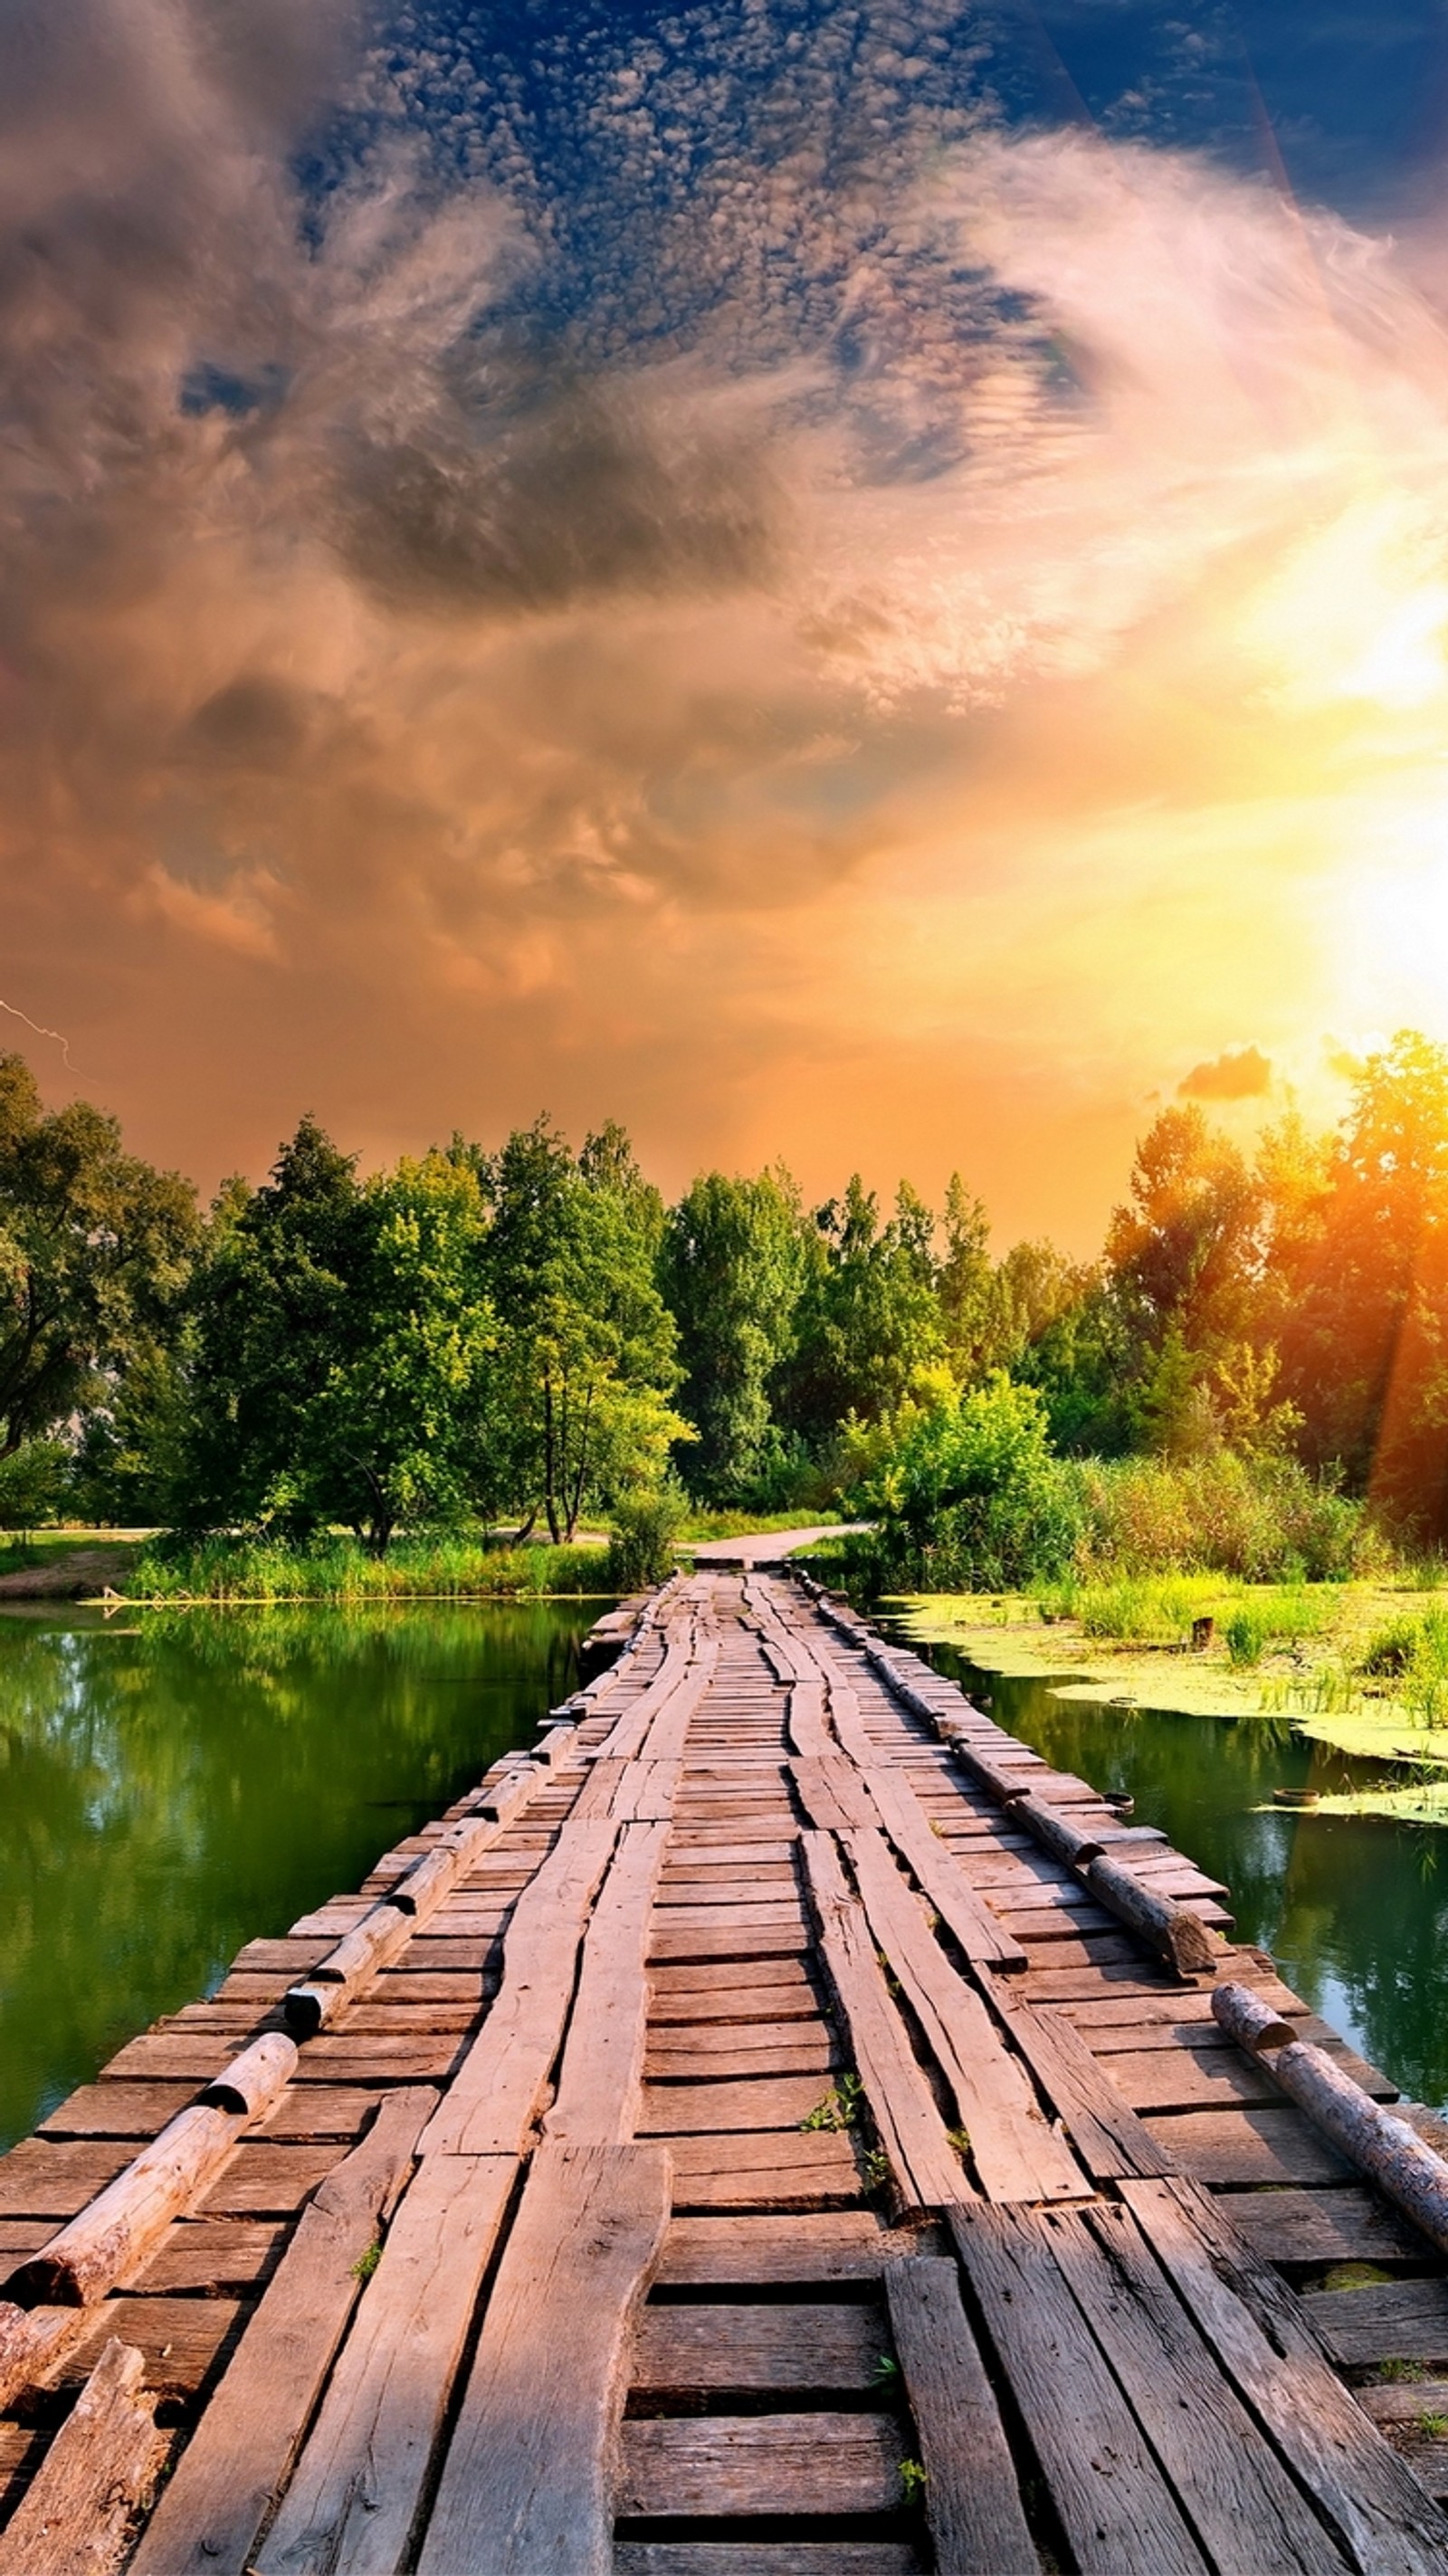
point(1178, 1934)
point(122, 2225)
point(1246, 2019)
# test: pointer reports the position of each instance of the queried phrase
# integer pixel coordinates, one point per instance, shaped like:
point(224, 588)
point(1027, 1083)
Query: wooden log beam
point(972, 2497)
point(1177, 1934)
point(600, 2082)
point(78, 2512)
point(528, 2482)
point(383, 1934)
point(212, 2509)
point(1384, 2148)
point(115, 2232)
point(927, 2172)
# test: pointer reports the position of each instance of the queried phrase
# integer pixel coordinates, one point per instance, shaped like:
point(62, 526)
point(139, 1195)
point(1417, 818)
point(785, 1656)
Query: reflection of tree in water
point(1354, 1908)
point(170, 1790)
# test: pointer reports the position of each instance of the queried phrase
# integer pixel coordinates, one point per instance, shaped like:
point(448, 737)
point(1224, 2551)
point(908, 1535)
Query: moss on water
point(1311, 1677)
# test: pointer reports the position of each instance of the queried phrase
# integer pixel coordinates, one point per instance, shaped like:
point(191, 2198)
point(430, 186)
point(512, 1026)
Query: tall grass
point(337, 1569)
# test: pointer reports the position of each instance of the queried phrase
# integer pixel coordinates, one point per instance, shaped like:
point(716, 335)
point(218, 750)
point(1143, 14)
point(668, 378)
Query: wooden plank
point(927, 2170)
point(76, 2516)
point(684, 2351)
point(1241, 2502)
point(218, 2256)
point(1233, 2148)
point(180, 2340)
point(354, 2497)
point(724, 2049)
point(116, 2111)
point(981, 1935)
point(1261, 2335)
point(600, 2082)
point(1105, 2131)
point(1119, 2515)
point(51, 2178)
point(972, 2498)
point(1389, 2321)
point(1015, 2153)
point(765, 2558)
point(528, 2480)
point(720, 2107)
point(1188, 2079)
point(496, 2093)
point(730, 1941)
point(759, 2251)
point(269, 2182)
point(211, 2510)
point(760, 2464)
point(1326, 2227)
point(770, 2170)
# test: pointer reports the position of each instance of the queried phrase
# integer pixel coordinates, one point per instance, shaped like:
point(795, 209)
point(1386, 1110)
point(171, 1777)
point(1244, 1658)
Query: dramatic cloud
point(713, 582)
point(1243, 1074)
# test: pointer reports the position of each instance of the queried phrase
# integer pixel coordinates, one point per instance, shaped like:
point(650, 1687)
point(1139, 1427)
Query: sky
point(858, 583)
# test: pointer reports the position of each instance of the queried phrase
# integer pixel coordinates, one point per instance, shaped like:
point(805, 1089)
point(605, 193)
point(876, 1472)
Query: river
point(174, 1783)
point(1354, 1909)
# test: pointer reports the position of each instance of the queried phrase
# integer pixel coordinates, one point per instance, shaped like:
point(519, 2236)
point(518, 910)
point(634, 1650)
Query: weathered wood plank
point(765, 2558)
point(1232, 2148)
point(211, 2510)
point(76, 2516)
point(1118, 2512)
point(1389, 2321)
point(685, 2350)
point(353, 2499)
point(497, 2090)
point(972, 2497)
point(1105, 2131)
point(768, 2170)
point(1325, 2227)
point(1015, 2153)
point(1241, 2502)
point(527, 2484)
point(725, 2108)
point(760, 2464)
point(600, 2082)
point(795, 2252)
point(1262, 2338)
point(927, 2170)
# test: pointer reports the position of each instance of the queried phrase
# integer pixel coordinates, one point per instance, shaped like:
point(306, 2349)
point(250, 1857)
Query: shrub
point(641, 1544)
point(972, 1497)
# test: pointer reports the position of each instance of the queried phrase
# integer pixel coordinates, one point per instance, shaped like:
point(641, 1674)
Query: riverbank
point(1361, 1668)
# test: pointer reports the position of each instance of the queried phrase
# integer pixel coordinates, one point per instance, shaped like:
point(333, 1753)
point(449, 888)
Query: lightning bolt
point(62, 1042)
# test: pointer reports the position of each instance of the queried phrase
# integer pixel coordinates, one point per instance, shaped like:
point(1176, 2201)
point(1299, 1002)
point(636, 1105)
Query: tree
point(402, 1420)
point(587, 1359)
point(95, 1251)
point(273, 1315)
point(732, 1269)
point(1364, 1314)
point(1183, 1249)
point(344, 1348)
point(869, 1319)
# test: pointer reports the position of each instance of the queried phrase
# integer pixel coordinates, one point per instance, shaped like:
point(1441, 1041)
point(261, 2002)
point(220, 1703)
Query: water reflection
point(170, 1789)
point(1355, 1909)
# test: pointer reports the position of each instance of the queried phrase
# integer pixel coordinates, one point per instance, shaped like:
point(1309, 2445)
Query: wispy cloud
point(626, 587)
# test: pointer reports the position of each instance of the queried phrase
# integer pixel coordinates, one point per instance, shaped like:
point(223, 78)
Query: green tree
point(96, 1249)
point(273, 1315)
point(587, 1358)
point(973, 1497)
point(869, 1318)
point(732, 1269)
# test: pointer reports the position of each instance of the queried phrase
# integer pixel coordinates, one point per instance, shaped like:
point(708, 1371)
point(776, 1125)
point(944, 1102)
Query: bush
point(1266, 1521)
point(972, 1498)
point(641, 1544)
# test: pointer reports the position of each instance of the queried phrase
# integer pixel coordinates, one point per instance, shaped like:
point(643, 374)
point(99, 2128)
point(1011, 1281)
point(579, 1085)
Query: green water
point(172, 1787)
point(1354, 1909)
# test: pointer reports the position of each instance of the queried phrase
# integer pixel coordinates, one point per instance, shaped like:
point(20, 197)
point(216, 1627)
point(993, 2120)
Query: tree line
point(532, 1332)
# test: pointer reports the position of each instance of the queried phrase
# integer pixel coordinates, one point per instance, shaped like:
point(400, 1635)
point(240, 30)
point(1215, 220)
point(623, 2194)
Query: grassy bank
point(338, 1570)
point(1361, 1666)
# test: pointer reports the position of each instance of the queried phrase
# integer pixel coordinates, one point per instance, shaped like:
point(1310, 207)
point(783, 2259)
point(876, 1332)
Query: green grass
point(337, 1569)
point(708, 1525)
point(22, 1555)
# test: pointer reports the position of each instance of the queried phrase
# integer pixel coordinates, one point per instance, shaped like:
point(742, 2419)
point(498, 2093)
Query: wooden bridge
point(779, 2125)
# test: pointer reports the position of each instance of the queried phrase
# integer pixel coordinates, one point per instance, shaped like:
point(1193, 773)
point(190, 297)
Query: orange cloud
point(909, 761)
